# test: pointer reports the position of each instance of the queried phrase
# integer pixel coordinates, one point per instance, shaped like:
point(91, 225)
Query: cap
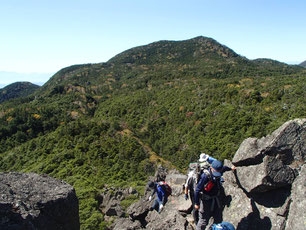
point(216, 165)
point(203, 157)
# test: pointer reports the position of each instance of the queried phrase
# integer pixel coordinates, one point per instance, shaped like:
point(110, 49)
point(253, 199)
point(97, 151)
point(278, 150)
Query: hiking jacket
point(204, 180)
point(160, 193)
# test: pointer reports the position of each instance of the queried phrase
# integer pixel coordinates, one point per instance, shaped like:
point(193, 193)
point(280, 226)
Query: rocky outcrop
point(140, 216)
point(268, 188)
point(110, 202)
point(271, 162)
point(267, 191)
point(30, 201)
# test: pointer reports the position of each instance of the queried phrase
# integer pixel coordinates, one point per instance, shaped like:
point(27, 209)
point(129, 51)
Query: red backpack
point(209, 185)
point(166, 187)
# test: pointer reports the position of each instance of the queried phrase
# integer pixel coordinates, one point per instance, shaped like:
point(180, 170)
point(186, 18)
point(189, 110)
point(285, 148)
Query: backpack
point(199, 168)
point(166, 187)
point(209, 185)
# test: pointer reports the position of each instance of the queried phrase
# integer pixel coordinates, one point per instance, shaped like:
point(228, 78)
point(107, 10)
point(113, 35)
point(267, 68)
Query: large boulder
point(30, 201)
point(265, 210)
point(272, 162)
point(268, 188)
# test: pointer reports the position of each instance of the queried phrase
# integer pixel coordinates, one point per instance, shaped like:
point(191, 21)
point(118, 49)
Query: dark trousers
point(208, 209)
point(195, 212)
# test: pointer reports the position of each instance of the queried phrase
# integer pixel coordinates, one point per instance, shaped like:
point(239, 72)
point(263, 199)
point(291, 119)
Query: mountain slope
point(164, 60)
point(16, 90)
point(109, 124)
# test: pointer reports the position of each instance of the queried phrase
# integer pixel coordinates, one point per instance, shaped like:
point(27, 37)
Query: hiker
point(223, 226)
point(192, 180)
point(191, 186)
point(208, 193)
point(161, 195)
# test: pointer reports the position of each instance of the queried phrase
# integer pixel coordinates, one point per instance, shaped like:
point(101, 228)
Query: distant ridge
point(197, 57)
point(16, 90)
point(303, 64)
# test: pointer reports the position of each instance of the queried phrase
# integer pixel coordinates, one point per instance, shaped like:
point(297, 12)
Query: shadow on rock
point(10, 219)
point(253, 220)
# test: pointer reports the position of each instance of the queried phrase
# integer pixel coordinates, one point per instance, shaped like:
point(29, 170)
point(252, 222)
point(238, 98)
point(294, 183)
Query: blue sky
point(39, 37)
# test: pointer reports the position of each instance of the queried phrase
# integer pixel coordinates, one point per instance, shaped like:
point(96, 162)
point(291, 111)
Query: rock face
point(267, 191)
point(268, 188)
point(110, 202)
point(30, 201)
point(271, 162)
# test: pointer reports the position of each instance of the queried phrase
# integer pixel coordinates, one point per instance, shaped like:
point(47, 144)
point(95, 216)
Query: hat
point(216, 165)
point(203, 157)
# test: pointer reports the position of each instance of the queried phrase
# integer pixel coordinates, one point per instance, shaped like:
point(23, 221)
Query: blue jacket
point(160, 193)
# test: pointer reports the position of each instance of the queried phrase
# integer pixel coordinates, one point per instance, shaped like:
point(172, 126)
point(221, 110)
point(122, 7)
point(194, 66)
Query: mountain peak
point(175, 51)
point(17, 89)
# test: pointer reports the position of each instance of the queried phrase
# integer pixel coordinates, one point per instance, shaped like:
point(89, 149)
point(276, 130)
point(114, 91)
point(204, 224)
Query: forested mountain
point(303, 64)
point(110, 123)
point(17, 89)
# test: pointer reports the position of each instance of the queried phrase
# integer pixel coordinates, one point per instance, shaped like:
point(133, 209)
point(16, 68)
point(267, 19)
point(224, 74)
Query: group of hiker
point(204, 188)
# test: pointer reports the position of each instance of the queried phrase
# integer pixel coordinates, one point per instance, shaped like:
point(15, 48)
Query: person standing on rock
point(192, 180)
point(208, 193)
point(161, 196)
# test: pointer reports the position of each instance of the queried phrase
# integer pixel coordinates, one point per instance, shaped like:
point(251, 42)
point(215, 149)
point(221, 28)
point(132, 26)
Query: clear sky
point(39, 37)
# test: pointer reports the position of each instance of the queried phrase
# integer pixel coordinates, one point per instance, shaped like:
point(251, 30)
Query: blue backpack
point(223, 226)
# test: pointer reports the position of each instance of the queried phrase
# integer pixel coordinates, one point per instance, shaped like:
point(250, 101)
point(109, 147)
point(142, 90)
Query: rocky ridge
point(267, 191)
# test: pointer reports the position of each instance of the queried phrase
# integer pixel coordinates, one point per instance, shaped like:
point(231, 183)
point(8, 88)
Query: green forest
point(111, 124)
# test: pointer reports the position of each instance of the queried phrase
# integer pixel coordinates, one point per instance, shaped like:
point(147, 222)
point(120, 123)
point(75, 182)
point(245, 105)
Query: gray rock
point(255, 211)
point(30, 201)
point(109, 201)
point(139, 210)
point(113, 208)
point(176, 181)
point(289, 139)
point(167, 220)
point(261, 196)
point(297, 216)
point(126, 224)
point(271, 162)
